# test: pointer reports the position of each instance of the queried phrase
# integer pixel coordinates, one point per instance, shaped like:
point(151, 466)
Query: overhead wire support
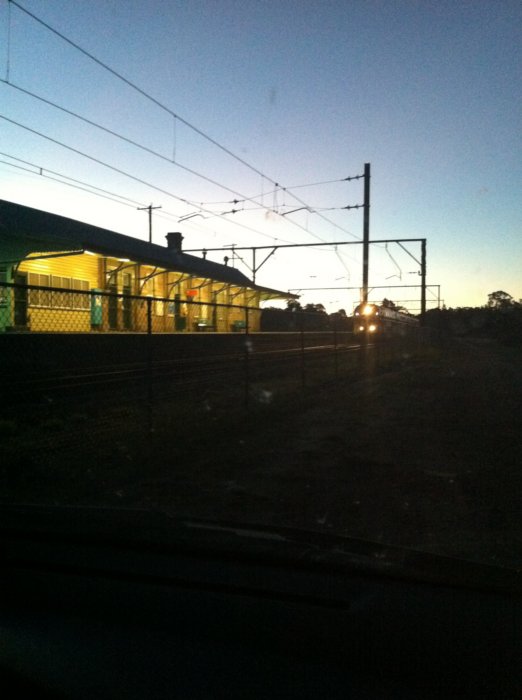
point(394, 262)
point(310, 245)
point(366, 232)
point(285, 213)
point(410, 254)
point(191, 216)
point(365, 244)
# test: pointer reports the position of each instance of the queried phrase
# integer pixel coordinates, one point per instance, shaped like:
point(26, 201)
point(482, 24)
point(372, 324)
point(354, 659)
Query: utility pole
point(366, 232)
point(149, 209)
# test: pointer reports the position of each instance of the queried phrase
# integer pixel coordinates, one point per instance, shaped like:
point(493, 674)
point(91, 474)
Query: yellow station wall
point(145, 281)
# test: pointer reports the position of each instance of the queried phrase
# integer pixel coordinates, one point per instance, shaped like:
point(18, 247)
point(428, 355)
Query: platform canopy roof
point(25, 231)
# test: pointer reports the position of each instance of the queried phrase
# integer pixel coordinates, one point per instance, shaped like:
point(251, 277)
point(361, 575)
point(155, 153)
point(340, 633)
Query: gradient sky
point(306, 92)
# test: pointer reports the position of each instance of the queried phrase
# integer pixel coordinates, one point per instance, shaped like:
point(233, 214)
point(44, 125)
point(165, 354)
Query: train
point(382, 320)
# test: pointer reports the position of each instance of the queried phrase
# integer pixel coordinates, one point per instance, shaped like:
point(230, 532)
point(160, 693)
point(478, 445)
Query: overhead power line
point(152, 152)
point(323, 182)
point(175, 116)
point(280, 188)
point(142, 92)
point(73, 182)
point(117, 135)
point(129, 175)
point(146, 149)
point(136, 179)
point(68, 184)
point(62, 179)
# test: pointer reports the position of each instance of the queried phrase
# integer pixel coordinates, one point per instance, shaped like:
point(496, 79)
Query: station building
point(69, 276)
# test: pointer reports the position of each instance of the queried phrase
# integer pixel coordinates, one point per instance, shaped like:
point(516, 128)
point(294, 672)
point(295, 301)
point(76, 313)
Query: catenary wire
point(68, 184)
point(142, 92)
point(159, 155)
point(177, 117)
point(293, 187)
point(180, 165)
point(87, 187)
point(73, 181)
point(129, 175)
point(146, 149)
point(61, 179)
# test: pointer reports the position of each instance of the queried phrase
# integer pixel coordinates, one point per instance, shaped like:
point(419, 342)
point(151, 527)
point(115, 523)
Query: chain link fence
point(88, 370)
point(43, 309)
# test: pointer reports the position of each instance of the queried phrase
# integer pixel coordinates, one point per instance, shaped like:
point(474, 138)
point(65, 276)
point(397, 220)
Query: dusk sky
point(303, 92)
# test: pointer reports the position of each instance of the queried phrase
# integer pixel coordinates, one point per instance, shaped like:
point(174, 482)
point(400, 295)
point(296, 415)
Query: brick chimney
point(174, 239)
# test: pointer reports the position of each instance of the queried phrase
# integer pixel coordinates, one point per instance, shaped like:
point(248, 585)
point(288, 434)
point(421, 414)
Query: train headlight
point(361, 328)
point(368, 310)
point(372, 328)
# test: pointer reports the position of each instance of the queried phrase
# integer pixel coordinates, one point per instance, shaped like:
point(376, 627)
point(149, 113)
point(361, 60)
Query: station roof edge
point(56, 232)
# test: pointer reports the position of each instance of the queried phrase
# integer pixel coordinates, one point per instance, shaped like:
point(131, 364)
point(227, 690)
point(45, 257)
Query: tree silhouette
point(388, 303)
point(293, 305)
point(500, 300)
point(315, 308)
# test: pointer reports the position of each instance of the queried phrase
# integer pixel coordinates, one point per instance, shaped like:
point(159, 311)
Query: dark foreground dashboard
point(97, 604)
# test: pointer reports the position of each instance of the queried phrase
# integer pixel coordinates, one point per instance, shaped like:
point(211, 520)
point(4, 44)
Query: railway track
point(173, 375)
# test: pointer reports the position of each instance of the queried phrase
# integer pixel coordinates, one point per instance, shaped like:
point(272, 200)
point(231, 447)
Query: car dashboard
point(128, 604)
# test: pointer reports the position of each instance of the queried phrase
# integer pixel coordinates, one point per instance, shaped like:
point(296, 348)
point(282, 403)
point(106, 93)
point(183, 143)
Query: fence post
point(336, 363)
point(149, 315)
point(363, 352)
point(247, 360)
point(303, 374)
point(149, 366)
